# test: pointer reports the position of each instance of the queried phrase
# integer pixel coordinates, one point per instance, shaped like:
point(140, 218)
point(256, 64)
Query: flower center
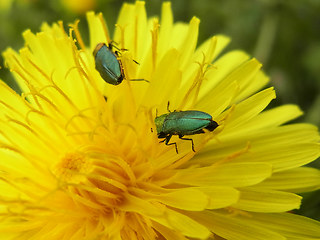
point(71, 166)
point(98, 177)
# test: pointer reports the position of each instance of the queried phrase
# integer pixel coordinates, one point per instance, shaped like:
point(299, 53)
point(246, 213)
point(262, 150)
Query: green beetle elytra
point(183, 123)
point(108, 63)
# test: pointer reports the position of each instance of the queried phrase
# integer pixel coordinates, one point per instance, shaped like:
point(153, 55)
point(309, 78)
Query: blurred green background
point(283, 35)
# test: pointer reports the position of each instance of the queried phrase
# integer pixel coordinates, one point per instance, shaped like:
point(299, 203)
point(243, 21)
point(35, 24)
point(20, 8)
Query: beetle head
point(158, 121)
point(212, 126)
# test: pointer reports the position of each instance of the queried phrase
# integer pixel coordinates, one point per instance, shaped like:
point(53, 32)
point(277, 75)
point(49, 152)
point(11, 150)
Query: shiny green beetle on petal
point(183, 123)
point(108, 64)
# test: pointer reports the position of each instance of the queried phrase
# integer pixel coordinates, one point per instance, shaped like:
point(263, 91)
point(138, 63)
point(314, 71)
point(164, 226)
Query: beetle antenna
point(168, 106)
point(112, 44)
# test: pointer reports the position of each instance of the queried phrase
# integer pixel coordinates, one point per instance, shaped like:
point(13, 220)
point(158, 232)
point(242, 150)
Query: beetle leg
point(175, 144)
point(139, 79)
point(167, 139)
point(117, 53)
point(189, 139)
point(162, 135)
point(135, 61)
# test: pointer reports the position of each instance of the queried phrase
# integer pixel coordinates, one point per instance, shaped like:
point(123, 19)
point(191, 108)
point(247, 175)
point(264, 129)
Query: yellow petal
point(165, 78)
point(258, 200)
point(267, 120)
point(278, 115)
point(240, 77)
point(301, 179)
point(248, 109)
point(178, 34)
point(186, 199)
point(222, 42)
point(189, 43)
point(219, 196)
point(231, 228)
point(256, 84)
point(166, 28)
point(255, 147)
point(223, 67)
point(168, 233)
point(194, 76)
point(167, 217)
point(142, 33)
point(20, 108)
point(97, 33)
point(222, 98)
point(303, 154)
point(192, 199)
point(231, 174)
point(186, 225)
point(289, 225)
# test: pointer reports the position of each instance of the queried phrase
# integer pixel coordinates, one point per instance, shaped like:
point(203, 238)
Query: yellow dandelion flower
point(79, 159)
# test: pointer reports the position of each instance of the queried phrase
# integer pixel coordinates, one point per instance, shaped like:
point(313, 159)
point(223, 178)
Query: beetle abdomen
point(108, 65)
point(187, 122)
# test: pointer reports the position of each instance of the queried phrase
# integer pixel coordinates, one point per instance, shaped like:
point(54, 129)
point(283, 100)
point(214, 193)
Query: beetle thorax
point(159, 122)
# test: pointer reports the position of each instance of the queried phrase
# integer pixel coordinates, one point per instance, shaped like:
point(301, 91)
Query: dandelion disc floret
point(81, 158)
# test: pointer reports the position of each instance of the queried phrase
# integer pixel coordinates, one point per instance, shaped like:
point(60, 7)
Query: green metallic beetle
point(109, 65)
point(183, 123)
